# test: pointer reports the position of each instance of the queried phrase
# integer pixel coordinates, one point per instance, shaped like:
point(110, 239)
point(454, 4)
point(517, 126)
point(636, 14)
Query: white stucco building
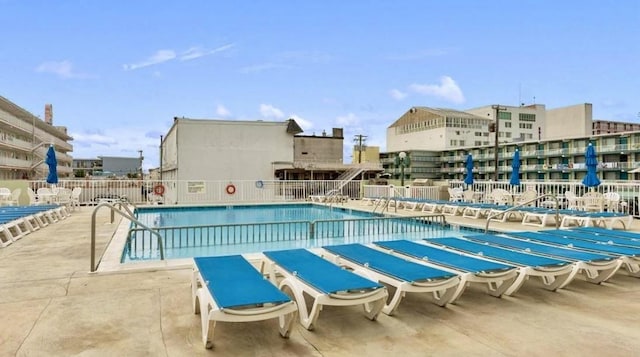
point(521, 123)
point(197, 149)
point(423, 128)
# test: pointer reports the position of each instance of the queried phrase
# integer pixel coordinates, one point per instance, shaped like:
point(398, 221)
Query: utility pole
point(497, 108)
point(141, 158)
point(361, 143)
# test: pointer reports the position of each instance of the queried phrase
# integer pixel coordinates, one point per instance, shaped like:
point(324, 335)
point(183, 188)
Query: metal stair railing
point(513, 208)
point(126, 213)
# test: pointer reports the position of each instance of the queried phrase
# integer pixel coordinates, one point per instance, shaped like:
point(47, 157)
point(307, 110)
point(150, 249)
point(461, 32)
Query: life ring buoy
point(259, 184)
point(158, 189)
point(231, 189)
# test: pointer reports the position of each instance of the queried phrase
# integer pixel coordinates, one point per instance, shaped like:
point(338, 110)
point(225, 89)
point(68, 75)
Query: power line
point(361, 145)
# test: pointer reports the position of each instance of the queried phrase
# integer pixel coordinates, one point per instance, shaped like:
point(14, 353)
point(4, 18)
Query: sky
point(117, 72)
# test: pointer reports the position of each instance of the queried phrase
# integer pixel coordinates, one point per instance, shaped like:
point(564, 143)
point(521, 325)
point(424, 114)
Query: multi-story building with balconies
point(553, 159)
point(552, 148)
point(24, 140)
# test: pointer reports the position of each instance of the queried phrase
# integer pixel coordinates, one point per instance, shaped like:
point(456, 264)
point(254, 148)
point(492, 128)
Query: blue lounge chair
point(596, 267)
point(593, 237)
point(497, 276)
point(404, 275)
point(307, 274)
point(230, 289)
point(598, 219)
point(610, 232)
point(629, 256)
point(554, 273)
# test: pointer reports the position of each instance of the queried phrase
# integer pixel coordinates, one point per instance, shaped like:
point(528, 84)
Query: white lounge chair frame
point(442, 290)
point(372, 301)
point(204, 305)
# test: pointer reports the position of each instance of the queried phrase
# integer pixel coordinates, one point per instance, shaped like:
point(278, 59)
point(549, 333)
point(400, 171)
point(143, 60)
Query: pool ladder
point(124, 211)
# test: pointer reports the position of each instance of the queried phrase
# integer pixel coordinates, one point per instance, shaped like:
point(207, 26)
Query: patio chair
point(497, 276)
point(455, 194)
point(596, 267)
point(572, 200)
point(230, 289)
point(592, 201)
point(14, 200)
point(554, 273)
point(5, 196)
point(75, 198)
point(33, 198)
point(309, 275)
point(405, 276)
point(611, 201)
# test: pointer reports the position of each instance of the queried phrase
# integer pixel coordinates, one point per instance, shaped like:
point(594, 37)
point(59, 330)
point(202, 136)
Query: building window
point(526, 117)
point(507, 124)
point(504, 115)
point(462, 142)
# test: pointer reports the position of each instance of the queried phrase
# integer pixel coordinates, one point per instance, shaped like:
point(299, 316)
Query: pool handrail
point(127, 215)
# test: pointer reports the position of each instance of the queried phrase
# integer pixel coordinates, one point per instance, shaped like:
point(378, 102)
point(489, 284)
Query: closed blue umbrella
point(51, 161)
point(515, 165)
point(591, 161)
point(468, 179)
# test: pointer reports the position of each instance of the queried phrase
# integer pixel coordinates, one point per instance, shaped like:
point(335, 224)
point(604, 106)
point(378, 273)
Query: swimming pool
point(221, 230)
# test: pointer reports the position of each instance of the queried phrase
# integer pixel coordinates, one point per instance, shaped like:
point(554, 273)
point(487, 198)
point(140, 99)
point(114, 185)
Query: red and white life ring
point(158, 189)
point(231, 189)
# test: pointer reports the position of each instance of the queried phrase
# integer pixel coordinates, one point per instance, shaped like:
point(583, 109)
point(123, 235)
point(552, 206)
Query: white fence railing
point(629, 191)
point(223, 192)
point(200, 191)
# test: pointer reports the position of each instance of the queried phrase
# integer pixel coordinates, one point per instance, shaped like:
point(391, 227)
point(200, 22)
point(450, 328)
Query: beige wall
point(516, 133)
point(572, 121)
point(229, 150)
point(434, 139)
point(318, 148)
point(369, 154)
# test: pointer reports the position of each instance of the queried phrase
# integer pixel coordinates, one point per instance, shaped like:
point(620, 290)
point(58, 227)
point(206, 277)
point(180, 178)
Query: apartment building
point(551, 144)
point(24, 140)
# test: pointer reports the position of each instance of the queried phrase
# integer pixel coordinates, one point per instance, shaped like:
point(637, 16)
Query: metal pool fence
point(141, 244)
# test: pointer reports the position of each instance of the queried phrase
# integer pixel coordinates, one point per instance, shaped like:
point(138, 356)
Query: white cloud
point(447, 90)
point(397, 95)
point(269, 111)
point(63, 69)
point(347, 120)
point(192, 53)
point(304, 124)
point(197, 52)
point(158, 57)
point(222, 111)
point(222, 48)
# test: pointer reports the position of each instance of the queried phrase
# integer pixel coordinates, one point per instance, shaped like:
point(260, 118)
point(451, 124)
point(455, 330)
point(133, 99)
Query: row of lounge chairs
point(528, 215)
point(230, 288)
point(18, 221)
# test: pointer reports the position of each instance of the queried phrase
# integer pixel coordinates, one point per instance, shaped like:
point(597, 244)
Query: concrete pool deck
point(50, 305)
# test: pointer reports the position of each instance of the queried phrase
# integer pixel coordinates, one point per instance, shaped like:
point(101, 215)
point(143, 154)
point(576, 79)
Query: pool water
point(194, 216)
point(211, 231)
